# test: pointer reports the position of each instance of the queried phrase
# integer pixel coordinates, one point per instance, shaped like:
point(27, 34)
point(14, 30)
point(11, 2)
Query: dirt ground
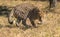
point(49, 28)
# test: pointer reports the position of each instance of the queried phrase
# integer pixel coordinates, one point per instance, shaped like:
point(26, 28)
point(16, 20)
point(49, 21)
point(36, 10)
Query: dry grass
point(49, 28)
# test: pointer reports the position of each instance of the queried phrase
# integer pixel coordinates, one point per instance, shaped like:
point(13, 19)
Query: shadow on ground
point(11, 26)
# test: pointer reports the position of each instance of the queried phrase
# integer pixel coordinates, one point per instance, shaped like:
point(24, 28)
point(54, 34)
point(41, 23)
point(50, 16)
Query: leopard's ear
point(36, 9)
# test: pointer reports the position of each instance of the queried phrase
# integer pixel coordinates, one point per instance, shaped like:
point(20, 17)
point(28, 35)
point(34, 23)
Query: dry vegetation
point(49, 28)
